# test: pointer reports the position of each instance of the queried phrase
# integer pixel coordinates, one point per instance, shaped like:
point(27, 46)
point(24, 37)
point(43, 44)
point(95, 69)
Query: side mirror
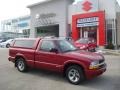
point(54, 50)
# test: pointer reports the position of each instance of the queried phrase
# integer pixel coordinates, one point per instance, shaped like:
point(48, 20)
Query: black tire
point(94, 50)
point(78, 74)
point(8, 45)
point(21, 65)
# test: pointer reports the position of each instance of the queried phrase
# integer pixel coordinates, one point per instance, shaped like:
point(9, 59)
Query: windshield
point(8, 41)
point(83, 41)
point(66, 46)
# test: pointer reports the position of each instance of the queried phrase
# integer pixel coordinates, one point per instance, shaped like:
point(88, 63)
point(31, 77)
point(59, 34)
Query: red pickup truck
point(57, 55)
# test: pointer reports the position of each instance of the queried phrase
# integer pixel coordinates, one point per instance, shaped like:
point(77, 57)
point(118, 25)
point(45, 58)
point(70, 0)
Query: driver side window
point(47, 45)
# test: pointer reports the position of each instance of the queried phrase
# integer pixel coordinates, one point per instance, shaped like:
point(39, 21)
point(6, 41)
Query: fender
point(30, 63)
point(20, 55)
point(75, 62)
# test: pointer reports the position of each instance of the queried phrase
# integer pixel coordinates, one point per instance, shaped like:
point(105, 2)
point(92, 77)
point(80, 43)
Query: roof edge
point(38, 3)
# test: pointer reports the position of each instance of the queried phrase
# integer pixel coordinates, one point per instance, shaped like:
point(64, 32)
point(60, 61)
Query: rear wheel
point(74, 74)
point(94, 50)
point(21, 65)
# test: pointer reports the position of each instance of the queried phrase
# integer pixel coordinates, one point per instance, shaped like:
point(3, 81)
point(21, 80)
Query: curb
point(113, 52)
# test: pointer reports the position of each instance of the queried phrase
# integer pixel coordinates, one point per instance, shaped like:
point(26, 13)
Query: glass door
point(89, 32)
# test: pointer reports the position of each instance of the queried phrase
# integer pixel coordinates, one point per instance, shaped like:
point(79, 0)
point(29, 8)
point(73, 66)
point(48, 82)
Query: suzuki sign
point(85, 6)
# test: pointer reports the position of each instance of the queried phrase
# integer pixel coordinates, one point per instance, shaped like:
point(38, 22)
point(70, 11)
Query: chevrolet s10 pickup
point(57, 55)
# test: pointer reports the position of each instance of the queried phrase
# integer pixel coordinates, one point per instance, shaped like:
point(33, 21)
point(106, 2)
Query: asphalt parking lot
point(11, 79)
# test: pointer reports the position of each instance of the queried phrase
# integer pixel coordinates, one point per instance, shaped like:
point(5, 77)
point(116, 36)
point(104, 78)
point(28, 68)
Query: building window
point(109, 36)
point(110, 31)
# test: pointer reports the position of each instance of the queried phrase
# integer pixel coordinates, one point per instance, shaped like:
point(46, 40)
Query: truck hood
point(85, 55)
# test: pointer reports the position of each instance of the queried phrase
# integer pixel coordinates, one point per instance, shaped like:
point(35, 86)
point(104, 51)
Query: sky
point(15, 8)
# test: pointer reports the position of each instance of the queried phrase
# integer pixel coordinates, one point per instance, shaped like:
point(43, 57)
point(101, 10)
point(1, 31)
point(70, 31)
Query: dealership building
point(98, 19)
point(16, 27)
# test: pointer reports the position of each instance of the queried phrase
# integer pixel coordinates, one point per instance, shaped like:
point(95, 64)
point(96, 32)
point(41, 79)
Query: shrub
point(110, 46)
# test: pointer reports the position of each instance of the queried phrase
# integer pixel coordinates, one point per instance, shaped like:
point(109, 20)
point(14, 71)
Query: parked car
point(57, 55)
point(3, 40)
point(88, 44)
point(6, 43)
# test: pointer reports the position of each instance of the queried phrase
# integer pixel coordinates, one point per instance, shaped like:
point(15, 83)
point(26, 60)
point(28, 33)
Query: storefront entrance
point(88, 32)
point(91, 25)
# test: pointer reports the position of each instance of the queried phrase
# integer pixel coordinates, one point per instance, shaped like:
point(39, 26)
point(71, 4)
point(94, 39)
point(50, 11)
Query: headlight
point(94, 65)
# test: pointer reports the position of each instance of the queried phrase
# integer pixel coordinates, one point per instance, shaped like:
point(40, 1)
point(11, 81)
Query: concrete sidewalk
point(109, 51)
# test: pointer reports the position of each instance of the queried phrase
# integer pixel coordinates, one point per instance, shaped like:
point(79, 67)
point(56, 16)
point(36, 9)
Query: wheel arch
point(70, 63)
point(19, 56)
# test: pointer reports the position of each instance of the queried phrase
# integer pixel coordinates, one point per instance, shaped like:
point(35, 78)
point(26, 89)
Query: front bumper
point(12, 59)
point(94, 73)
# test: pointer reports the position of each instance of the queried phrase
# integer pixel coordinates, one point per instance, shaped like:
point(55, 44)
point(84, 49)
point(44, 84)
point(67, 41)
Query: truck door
point(46, 59)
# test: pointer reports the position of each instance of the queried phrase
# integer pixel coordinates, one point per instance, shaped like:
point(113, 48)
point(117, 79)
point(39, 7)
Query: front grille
point(101, 61)
point(102, 66)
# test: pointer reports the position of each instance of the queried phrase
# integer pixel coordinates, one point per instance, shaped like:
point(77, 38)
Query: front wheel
point(8, 45)
point(21, 65)
point(75, 74)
